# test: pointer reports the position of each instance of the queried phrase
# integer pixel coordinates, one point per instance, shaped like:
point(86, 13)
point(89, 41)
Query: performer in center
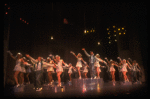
point(91, 63)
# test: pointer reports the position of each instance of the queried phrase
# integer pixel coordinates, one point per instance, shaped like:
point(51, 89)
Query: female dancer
point(85, 70)
point(50, 70)
point(97, 65)
point(79, 63)
point(17, 69)
point(59, 68)
point(124, 69)
point(70, 71)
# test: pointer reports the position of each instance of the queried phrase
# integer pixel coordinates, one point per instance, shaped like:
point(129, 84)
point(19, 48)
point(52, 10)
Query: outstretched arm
point(27, 55)
point(100, 60)
point(88, 55)
point(73, 54)
point(11, 55)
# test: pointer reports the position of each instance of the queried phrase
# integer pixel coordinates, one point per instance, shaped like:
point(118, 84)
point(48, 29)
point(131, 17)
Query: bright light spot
point(124, 33)
point(90, 30)
point(108, 37)
point(113, 26)
point(114, 30)
point(6, 13)
point(109, 42)
point(93, 30)
point(27, 23)
point(98, 43)
point(24, 21)
point(108, 33)
point(62, 89)
point(119, 33)
point(85, 31)
point(118, 29)
point(115, 40)
point(122, 28)
point(5, 4)
point(107, 29)
point(115, 35)
point(20, 18)
point(8, 7)
point(52, 38)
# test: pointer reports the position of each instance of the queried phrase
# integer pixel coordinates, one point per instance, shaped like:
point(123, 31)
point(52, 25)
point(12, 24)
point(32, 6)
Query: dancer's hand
point(27, 55)
point(83, 49)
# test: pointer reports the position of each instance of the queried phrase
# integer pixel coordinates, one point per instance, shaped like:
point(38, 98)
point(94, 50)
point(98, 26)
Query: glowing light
point(5, 4)
point(108, 37)
point(107, 29)
point(115, 40)
point(124, 33)
point(62, 89)
point(113, 26)
point(52, 38)
point(98, 43)
point(93, 30)
point(85, 31)
point(109, 42)
point(24, 21)
point(114, 30)
point(8, 7)
point(115, 35)
point(118, 29)
point(6, 13)
point(90, 30)
point(119, 33)
point(20, 18)
point(98, 88)
point(123, 28)
point(27, 23)
point(108, 33)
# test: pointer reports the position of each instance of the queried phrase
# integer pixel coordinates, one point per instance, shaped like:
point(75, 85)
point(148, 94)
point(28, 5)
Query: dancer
point(91, 62)
point(38, 69)
point(59, 68)
point(124, 69)
point(79, 63)
point(108, 68)
point(50, 70)
point(70, 71)
point(97, 65)
point(85, 70)
point(17, 68)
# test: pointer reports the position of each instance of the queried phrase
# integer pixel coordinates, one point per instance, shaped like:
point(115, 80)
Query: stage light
point(120, 33)
point(115, 35)
point(118, 29)
point(27, 23)
point(123, 28)
point(5, 4)
point(124, 33)
point(6, 13)
point(108, 33)
point(8, 7)
point(108, 37)
point(24, 21)
point(90, 30)
point(109, 42)
point(99, 43)
point(20, 18)
point(107, 29)
point(114, 30)
point(52, 38)
point(85, 31)
point(93, 30)
point(113, 26)
point(115, 40)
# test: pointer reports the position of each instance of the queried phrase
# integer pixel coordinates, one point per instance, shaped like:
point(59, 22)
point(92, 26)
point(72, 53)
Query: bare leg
point(59, 79)
point(22, 77)
point(27, 76)
point(15, 77)
point(70, 76)
point(79, 71)
point(97, 72)
point(49, 76)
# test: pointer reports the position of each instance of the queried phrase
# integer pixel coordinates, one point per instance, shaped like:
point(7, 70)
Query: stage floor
point(84, 88)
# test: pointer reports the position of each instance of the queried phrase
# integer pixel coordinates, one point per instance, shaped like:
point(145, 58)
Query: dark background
point(46, 20)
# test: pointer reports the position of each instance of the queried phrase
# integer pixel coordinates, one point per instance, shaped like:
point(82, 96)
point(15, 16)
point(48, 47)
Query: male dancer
point(91, 62)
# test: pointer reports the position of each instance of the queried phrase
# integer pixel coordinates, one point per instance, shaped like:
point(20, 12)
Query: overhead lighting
point(52, 38)
point(115, 40)
point(119, 33)
point(122, 28)
point(115, 35)
point(124, 33)
point(118, 29)
point(85, 31)
point(99, 43)
point(109, 42)
point(114, 30)
point(108, 33)
point(113, 26)
point(107, 29)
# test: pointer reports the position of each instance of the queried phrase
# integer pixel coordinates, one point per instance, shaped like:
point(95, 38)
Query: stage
point(80, 88)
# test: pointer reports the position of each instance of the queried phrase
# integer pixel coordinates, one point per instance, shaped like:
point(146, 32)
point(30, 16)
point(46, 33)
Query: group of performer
point(55, 62)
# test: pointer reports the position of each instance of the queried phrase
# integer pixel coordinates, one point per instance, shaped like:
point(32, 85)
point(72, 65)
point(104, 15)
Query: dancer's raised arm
point(100, 60)
point(11, 55)
point(88, 55)
point(33, 60)
point(73, 54)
